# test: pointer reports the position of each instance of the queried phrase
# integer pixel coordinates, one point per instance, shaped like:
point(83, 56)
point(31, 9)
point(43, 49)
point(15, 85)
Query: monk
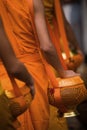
point(51, 17)
point(16, 69)
point(26, 29)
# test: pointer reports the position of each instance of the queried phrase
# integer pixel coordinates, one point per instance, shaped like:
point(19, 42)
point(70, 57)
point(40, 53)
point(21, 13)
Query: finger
point(71, 73)
point(32, 91)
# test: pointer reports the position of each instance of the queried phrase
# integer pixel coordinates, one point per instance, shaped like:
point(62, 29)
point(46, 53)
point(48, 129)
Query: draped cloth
point(56, 27)
point(16, 17)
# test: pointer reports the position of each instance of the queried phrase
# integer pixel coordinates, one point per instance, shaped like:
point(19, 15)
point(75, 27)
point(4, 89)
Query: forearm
point(71, 36)
point(13, 66)
point(19, 71)
point(53, 59)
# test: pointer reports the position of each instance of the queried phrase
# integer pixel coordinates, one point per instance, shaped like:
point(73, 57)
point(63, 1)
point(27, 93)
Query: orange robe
point(17, 21)
point(55, 122)
point(54, 22)
point(64, 43)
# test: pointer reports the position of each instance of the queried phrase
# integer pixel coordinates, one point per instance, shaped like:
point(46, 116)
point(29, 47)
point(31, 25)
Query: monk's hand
point(70, 73)
point(79, 52)
point(32, 90)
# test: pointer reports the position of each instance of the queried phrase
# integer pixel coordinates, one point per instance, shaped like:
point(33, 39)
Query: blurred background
point(76, 14)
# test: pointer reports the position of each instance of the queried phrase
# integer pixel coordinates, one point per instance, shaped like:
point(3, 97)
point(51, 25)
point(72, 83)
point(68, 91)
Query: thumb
point(32, 91)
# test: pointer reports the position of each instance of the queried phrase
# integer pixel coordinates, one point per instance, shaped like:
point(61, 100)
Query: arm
point(13, 66)
point(46, 44)
point(70, 35)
